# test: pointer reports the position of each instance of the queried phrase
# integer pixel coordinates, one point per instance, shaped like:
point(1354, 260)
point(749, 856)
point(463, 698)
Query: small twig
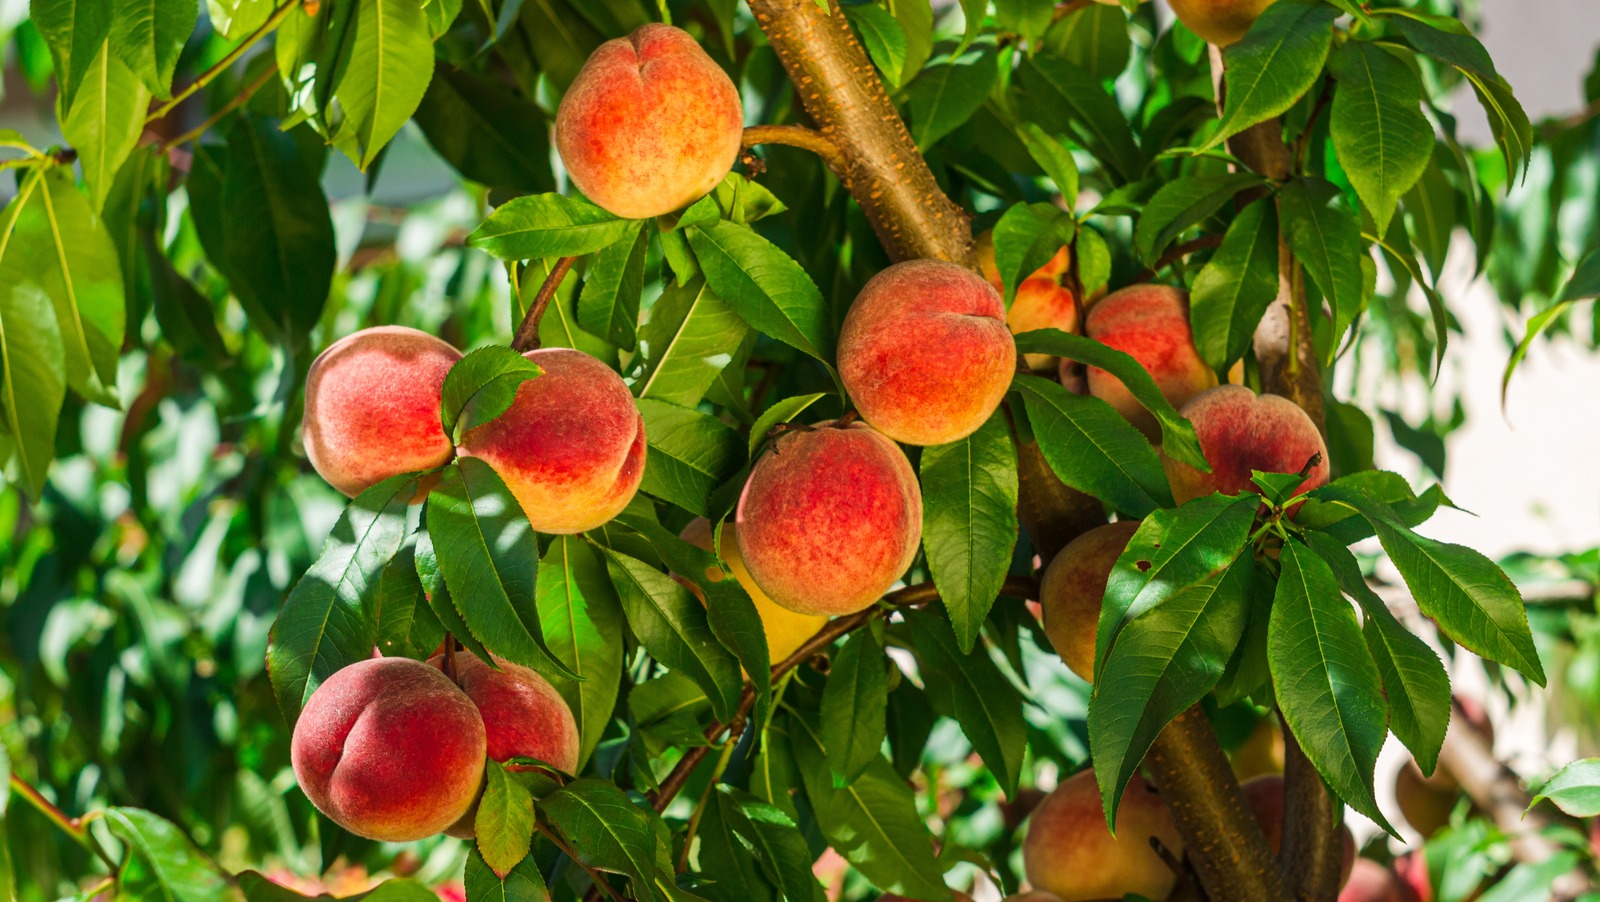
point(700, 809)
point(1204, 242)
point(450, 657)
point(527, 337)
point(599, 881)
point(234, 102)
point(222, 65)
point(801, 137)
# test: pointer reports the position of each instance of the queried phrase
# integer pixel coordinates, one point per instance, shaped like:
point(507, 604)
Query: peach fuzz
point(1073, 588)
point(650, 124)
point(924, 352)
point(1264, 795)
point(572, 446)
point(372, 407)
point(1221, 22)
point(786, 630)
point(1069, 852)
point(1240, 431)
point(523, 715)
point(830, 518)
point(1151, 324)
point(389, 749)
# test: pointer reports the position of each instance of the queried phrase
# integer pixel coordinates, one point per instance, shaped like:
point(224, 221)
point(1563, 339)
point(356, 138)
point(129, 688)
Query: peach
point(983, 249)
point(389, 749)
point(372, 407)
point(786, 630)
point(1151, 324)
point(1069, 852)
point(830, 518)
point(1372, 882)
point(1264, 795)
point(1221, 22)
point(1042, 301)
point(572, 446)
point(1240, 431)
point(1261, 753)
point(1074, 585)
point(1033, 895)
point(650, 124)
point(924, 352)
point(1426, 802)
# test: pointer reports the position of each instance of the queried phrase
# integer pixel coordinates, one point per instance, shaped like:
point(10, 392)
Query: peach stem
point(527, 337)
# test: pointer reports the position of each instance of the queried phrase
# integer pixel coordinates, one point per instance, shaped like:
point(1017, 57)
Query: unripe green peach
point(650, 124)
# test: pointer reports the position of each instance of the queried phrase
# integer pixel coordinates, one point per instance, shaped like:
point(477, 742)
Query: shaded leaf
point(1274, 64)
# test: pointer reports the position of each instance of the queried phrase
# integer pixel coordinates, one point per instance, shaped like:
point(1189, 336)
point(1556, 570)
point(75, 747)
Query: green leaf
point(916, 20)
point(504, 822)
point(322, 626)
point(402, 622)
point(1094, 37)
point(148, 35)
point(33, 379)
point(885, 40)
point(1093, 448)
point(855, 706)
point(1162, 661)
point(1025, 18)
point(946, 95)
point(1584, 285)
point(969, 522)
point(104, 121)
point(772, 835)
point(260, 889)
point(689, 337)
point(1575, 789)
point(1025, 239)
point(872, 821)
point(1178, 439)
point(163, 864)
point(583, 628)
point(672, 627)
point(1471, 599)
point(547, 225)
point(606, 830)
point(382, 81)
point(608, 306)
point(1513, 133)
point(739, 199)
point(1326, 239)
point(724, 856)
point(1348, 527)
point(1182, 204)
point(689, 454)
point(780, 412)
point(766, 287)
point(75, 31)
point(970, 688)
point(485, 131)
point(1236, 286)
point(481, 387)
point(1432, 203)
point(1065, 98)
point(1382, 138)
point(1053, 157)
point(235, 19)
point(523, 884)
point(489, 560)
point(1443, 38)
point(1274, 64)
point(1327, 685)
point(1414, 680)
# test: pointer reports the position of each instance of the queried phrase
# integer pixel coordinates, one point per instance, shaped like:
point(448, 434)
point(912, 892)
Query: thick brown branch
point(1303, 857)
point(527, 337)
point(882, 170)
point(798, 136)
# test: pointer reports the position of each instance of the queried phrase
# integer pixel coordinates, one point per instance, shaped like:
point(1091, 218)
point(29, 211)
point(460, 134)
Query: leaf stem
point(76, 827)
point(527, 337)
point(705, 798)
point(222, 65)
point(234, 102)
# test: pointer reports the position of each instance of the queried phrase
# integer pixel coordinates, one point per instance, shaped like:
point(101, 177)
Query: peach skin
point(1240, 431)
point(786, 630)
point(1073, 588)
point(1151, 324)
point(1069, 852)
point(1221, 22)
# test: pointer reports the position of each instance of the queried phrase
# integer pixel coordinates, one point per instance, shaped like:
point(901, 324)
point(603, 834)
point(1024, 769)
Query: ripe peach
point(786, 630)
point(925, 353)
point(1372, 882)
point(1151, 324)
point(572, 446)
point(1042, 301)
point(1221, 22)
point(389, 749)
point(1240, 431)
point(372, 407)
point(1069, 852)
point(650, 124)
point(830, 518)
point(523, 715)
point(983, 248)
point(1073, 587)
point(1264, 795)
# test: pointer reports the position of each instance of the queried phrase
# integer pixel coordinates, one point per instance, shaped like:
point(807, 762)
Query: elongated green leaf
point(386, 74)
point(781, 412)
point(724, 855)
point(148, 35)
point(1471, 599)
point(1327, 685)
point(1445, 39)
point(163, 863)
point(547, 225)
point(969, 522)
point(1094, 37)
point(104, 121)
point(1164, 660)
point(1054, 158)
point(481, 387)
point(1414, 681)
point(504, 822)
point(1276, 62)
point(772, 835)
point(489, 561)
point(1182, 204)
point(946, 95)
point(971, 688)
point(398, 608)
point(690, 337)
point(885, 40)
point(583, 627)
point(1066, 98)
point(75, 31)
point(672, 627)
point(764, 286)
point(855, 706)
point(1513, 132)
point(609, 303)
point(1327, 241)
point(485, 131)
point(1584, 285)
point(322, 626)
point(690, 453)
point(1382, 138)
point(607, 830)
point(523, 884)
point(916, 20)
point(1093, 448)
point(1236, 286)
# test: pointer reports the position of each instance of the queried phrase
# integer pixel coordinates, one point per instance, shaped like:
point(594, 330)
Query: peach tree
point(798, 442)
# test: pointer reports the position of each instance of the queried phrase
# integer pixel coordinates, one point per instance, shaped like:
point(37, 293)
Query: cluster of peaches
point(830, 518)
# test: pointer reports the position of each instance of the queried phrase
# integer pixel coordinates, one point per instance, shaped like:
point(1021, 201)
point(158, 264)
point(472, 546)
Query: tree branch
point(801, 137)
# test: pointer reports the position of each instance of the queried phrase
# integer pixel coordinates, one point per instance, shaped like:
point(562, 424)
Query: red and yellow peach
point(786, 630)
point(1151, 324)
point(1073, 587)
point(1241, 431)
point(1069, 852)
